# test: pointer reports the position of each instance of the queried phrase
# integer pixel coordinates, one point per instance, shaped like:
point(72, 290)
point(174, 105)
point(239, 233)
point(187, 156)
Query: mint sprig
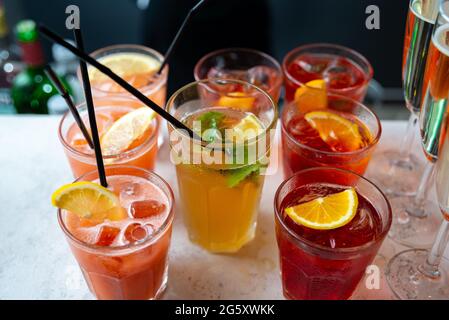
point(235, 176)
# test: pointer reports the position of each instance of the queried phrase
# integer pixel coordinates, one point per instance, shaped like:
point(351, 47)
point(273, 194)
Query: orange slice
point(326, 213)
point(88, 200)
point(312, 96)
point(338, 132)
point(126, 130)
point(237, 100)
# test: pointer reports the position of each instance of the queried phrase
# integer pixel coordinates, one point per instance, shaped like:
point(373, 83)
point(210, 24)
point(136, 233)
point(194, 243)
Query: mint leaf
point(210, 120)
point(238, 175)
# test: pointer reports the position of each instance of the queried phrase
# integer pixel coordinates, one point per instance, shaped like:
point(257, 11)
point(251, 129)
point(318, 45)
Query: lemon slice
point(325, 213)
point(237, 100)
point(249, 127)
point(88, 200)
point(311, 96)
point(126, 130)
point(126, 65)
point(339, 133)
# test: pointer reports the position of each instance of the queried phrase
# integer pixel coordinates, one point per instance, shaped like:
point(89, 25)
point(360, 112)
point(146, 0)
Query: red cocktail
point(328, 264)
point(340, 133)
point(345, 71)
point(241, 64)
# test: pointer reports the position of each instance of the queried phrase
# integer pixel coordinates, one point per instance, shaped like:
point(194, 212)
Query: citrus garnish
point(135, 68)
point(237, 100)
point(249, 127)
point(88, 200)
point(325, 213)
point(311, 96)
point(339, 133)
point(126, 130)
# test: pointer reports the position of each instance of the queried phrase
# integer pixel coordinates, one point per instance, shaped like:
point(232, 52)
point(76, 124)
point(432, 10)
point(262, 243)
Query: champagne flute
point(423, 274)
point(398, 172)
point(414, 225)
point(418, 273)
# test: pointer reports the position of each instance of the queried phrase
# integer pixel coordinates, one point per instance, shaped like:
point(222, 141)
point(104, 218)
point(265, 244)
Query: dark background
point(273, 26)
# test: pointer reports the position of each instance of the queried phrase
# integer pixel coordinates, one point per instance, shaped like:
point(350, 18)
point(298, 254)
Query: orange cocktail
point(125, 257)
point(116, 129)
point(136, 64)
point(220, 179)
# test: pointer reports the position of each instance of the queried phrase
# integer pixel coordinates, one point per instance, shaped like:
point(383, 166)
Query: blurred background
point(272, 26)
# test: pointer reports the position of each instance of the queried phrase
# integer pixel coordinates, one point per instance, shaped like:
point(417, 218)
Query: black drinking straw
point(179, 34)
point(91, 110)
point(121, 82)
point(63, 92)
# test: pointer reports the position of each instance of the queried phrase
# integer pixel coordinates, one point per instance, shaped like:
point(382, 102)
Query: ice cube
point(135, 232)
point(363, 222)
point(130, 192)
point(146, 209)
point(260, 76)
point(338, 75)
point(106, 236)
point(311, 64)
point(221, 73)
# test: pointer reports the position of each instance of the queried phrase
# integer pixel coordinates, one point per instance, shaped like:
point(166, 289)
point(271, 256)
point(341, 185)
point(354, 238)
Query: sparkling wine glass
point(398, 171)
point(423, 274)
point(414, 225)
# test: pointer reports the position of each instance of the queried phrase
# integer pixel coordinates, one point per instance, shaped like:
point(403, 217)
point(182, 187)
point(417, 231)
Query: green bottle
point(31, 88)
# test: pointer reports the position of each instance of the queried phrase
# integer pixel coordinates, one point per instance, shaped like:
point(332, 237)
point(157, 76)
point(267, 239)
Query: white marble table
point(35, 261)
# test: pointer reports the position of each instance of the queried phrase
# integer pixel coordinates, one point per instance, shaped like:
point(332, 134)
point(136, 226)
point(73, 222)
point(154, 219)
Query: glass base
point(395, 176)
point(408, 283)
point(414, 227)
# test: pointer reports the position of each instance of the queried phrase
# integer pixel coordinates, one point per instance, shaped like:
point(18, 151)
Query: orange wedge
point(338, 132)
point(311, 96)
point(237, 100)
point(326, 213)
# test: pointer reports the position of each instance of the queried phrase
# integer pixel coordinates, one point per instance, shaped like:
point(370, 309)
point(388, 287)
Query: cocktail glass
point(125, 268)
point(345, 71)
point(82, 159)
point(221, 197)
point(247, 65)
point(300, 152)
point(152, 85)
point(328, 264)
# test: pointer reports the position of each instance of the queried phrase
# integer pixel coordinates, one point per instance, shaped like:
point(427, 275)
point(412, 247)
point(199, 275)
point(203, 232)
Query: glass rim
point(122, 155)
point(178, 92)
point(291, 53)
point(443, 11)
point(277, 65)
point(137, 245)
point(371, 145)
point(313, 245)
point(153, 86)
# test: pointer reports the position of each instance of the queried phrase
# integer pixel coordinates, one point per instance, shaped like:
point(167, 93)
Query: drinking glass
point(414, 224)
point(399, 171)
point(131, 271)
point(311, 270)
point(345, 71)
point(424, 274)
point(152, 85)
point(243, 64)
point(298, 155)
point(82, 159)
point(220, 196)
